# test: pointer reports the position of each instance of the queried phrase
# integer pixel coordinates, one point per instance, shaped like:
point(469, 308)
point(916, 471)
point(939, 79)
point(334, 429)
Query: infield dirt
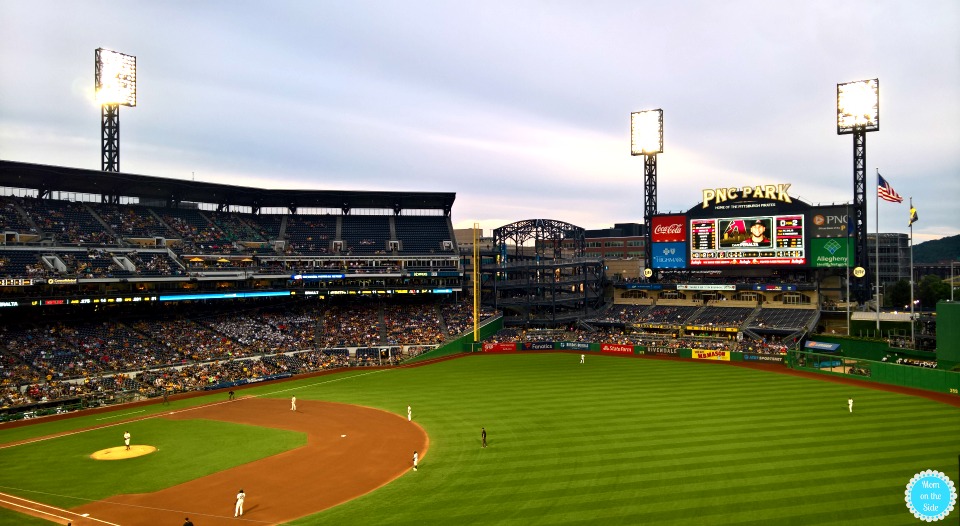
point(329, 470)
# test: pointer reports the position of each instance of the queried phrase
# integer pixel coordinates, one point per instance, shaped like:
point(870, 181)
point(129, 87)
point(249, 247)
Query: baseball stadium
point(300, 347)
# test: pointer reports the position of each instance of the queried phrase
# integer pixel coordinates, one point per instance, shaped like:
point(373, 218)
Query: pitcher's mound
point(120, 453)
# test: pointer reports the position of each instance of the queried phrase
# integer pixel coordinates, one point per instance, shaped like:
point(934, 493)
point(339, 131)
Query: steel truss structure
point(539, 276)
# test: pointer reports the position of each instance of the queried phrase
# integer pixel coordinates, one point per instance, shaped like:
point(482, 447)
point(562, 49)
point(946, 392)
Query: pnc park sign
point(773, 192)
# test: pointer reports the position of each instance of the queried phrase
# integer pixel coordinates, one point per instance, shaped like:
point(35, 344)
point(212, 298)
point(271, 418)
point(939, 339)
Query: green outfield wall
point(939, 380)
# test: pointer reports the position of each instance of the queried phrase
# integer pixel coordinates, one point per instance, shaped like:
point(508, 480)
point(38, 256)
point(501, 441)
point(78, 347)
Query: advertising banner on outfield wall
point(499, 347)
point(664, 350)
point(579, 346)
point(751, 357)
point(704, 354)
point(537, 346)
point(616, 348)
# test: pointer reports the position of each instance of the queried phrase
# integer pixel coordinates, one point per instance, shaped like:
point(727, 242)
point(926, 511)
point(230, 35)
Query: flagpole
point(913, 341)
point(876, 245)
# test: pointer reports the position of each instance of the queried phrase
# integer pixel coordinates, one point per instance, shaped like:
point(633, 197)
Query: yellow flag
point(913, 216)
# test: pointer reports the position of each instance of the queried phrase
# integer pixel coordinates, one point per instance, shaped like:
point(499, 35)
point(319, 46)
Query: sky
point(521, 108)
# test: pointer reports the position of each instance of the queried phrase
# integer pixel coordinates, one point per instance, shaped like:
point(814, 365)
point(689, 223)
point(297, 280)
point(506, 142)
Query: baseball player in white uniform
point(850, 404)
point(582, 356)
point(238, 509)
point(415, 458)
point(409, 414)
point(126, 440)
point(293, 403)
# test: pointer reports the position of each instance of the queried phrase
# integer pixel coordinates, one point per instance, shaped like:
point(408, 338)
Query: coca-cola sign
point(667, 229)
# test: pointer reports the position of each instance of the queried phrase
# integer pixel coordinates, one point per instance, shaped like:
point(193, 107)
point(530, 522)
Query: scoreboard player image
point(746, 232)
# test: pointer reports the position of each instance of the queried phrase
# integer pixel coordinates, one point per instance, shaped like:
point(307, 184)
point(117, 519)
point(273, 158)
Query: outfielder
point(409, 414)
point(415, 458)
point(582, 356)
point(238, 509)
point(850, 404)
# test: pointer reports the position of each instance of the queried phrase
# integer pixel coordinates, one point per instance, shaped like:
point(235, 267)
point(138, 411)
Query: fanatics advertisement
point(537, 346)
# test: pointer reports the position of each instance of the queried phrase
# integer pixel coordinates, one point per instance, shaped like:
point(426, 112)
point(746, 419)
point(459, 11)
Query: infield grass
point(626, 441)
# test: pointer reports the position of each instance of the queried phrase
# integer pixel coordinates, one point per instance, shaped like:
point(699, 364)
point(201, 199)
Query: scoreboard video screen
point(755, 240)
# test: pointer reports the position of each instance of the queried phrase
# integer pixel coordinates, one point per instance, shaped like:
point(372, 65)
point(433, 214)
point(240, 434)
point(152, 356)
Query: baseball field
point(617, 440)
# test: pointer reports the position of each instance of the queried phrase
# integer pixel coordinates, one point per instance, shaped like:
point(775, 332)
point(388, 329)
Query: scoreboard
point(772, 240)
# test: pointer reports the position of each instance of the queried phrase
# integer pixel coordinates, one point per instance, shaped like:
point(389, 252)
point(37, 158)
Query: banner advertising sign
point(499, 347)
point(774, 288)
point(830, 221)
point(644, 286)
point(669, 255)
point(706, 287)
point(822, 346)
point(575, 345)
point(668, 229)
point(616, 348)
point(537, 346)
point(831, 252)
point(751, 357)
point(664, 350)
point(703, 354)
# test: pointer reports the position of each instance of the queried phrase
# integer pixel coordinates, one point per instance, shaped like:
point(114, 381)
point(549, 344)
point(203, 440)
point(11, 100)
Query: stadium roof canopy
point(112, 185)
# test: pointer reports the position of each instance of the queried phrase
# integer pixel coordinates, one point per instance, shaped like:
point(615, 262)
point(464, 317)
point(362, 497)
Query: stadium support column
point(649, 203)
point(110, 137)
point(861, 251)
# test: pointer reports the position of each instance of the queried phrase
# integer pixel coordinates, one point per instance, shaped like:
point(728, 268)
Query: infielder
point(409, 414)
point(126, 440)
point(293, 403)
point(238, 509)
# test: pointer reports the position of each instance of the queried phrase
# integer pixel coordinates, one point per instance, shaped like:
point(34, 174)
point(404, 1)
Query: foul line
point(118, 416)
point(48, 513)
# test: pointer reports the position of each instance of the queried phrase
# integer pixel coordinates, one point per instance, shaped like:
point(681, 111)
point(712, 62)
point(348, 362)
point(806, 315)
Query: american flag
point(886, 192)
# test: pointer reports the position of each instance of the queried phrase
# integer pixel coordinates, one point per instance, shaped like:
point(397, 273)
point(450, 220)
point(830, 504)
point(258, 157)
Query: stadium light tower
point(858, 112)
point(115, 81)
point(646, 139)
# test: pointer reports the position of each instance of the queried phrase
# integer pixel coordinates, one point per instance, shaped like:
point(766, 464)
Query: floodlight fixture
point(646, 132)
point(858, 112)
point(858, 106)
point(116, 78)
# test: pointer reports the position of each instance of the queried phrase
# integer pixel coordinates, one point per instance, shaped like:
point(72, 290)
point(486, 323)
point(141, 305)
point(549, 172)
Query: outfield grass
point(637, 441)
